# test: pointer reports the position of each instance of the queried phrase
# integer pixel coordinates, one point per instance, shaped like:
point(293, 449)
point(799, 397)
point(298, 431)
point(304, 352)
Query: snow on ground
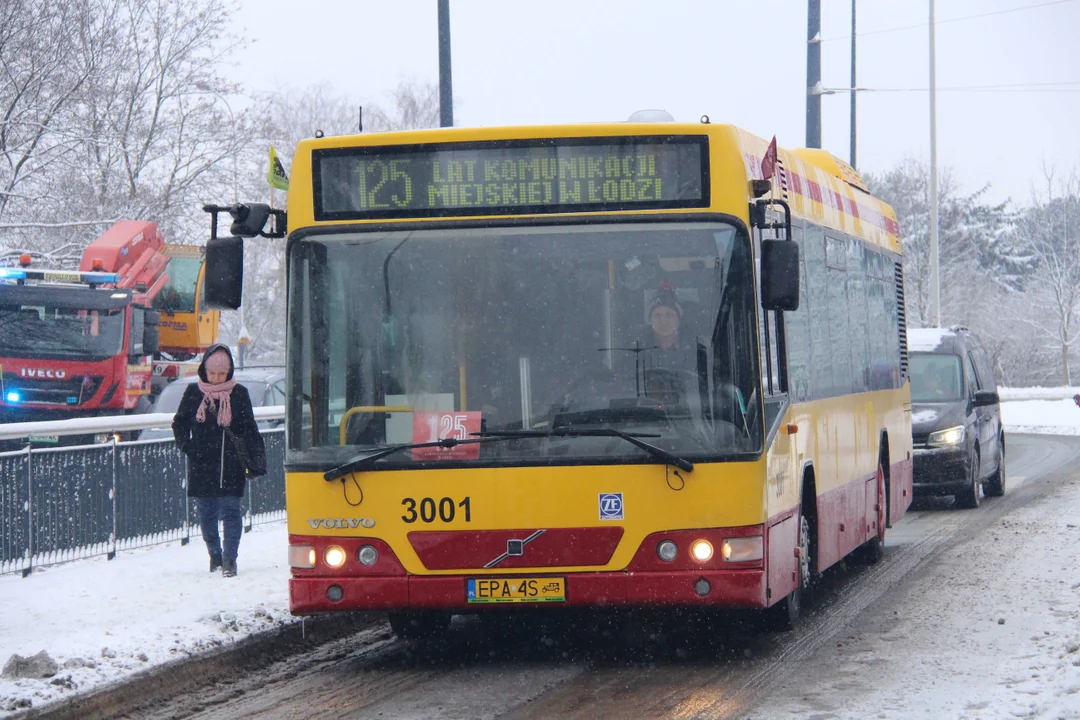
point(109, 619)
point(1038, 393)
point(1055, 417)
point(990, 631)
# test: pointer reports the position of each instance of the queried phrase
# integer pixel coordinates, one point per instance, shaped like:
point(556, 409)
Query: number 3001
point(429, 510)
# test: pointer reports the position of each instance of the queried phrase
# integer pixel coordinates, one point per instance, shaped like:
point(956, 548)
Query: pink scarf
point(220, 394)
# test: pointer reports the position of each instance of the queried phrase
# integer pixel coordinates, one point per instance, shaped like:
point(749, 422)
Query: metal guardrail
point(63, 504)
point(110, 424)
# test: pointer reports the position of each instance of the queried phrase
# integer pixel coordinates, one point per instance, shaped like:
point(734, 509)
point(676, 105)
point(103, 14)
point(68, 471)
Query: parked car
point(265, 386)
point(956, 416)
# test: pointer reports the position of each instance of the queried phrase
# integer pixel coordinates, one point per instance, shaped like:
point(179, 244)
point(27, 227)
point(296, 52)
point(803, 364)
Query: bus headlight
point(334, 556)
point(947, 438)
point(301, 556)
point(667, 550)
point(742, 549)
point(701, 550)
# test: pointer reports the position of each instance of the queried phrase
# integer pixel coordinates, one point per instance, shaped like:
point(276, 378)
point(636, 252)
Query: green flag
point(276, 176)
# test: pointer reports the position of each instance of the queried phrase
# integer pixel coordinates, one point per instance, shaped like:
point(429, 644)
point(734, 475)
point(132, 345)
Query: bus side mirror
point(249, 219)
point(224, 283)
point(779, 275)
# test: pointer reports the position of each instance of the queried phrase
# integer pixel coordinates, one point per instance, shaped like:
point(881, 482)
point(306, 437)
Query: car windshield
point(59, 331)
point(935, 378)
point(409, 336)
point(169, 399)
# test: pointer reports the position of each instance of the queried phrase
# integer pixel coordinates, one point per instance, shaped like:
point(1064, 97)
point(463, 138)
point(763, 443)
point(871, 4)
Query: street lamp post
point(446, 87)
point(813, 74)
point(853, 93)
point(935, 279)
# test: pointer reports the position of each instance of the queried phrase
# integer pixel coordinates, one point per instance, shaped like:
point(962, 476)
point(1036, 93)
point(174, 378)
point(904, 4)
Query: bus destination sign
point(512, 177)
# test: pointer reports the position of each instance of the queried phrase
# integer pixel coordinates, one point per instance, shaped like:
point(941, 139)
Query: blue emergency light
point(13, 397)
point(65, 276)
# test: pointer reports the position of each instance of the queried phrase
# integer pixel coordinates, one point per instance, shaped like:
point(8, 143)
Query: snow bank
point(104, 620)
point(1053, 417)
point(1038, 393)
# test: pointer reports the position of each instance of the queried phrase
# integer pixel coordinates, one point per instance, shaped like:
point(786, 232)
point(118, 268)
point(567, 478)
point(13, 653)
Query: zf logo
point(611, 506)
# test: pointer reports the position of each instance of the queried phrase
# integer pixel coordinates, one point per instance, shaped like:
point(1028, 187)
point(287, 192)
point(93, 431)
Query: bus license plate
point(516, 590)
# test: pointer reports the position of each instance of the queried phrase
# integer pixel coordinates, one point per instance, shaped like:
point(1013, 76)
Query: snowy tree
point(288, 117)
point(49, 53)
point(975, 240)
point(116, 109)
point(1051, 229)
point(413, 106)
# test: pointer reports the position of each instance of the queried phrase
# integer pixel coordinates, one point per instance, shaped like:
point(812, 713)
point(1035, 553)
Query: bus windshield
point(178, 295)
point(56, 331)
point(418, 335)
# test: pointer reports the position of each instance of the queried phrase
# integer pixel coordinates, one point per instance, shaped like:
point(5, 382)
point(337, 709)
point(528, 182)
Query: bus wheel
point(784, 615)
point(418, 626)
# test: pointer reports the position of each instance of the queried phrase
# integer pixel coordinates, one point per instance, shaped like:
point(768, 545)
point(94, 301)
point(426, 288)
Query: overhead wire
point(1011, 87)
point(950, 20)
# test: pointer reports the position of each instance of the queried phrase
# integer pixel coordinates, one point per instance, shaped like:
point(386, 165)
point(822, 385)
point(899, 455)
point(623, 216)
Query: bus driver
point(663, 349)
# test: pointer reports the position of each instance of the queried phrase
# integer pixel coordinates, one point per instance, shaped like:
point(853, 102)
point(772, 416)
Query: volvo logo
point(515, 548)
point(42, 373)
point(340, 523)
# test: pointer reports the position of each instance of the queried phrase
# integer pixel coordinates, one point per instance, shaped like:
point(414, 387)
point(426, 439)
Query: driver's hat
point(665, 297)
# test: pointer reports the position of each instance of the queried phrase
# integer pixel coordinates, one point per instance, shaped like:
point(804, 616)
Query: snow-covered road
point(989, 630)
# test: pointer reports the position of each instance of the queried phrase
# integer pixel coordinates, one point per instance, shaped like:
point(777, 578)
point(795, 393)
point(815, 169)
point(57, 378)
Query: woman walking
point(213, 426)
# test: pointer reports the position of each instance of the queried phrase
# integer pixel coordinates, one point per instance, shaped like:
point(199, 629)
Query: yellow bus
point(582, 365)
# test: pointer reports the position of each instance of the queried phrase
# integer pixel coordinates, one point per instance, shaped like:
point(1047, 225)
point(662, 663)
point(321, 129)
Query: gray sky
point(739, 61)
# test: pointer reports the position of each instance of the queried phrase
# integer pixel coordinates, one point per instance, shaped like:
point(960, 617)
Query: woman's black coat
point(203, 443)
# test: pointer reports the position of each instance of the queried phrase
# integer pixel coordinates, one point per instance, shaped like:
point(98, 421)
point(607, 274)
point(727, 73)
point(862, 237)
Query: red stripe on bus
point(556, 547)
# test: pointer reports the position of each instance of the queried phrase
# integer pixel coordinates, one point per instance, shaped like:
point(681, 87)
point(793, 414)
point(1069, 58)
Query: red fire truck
point(84, 343)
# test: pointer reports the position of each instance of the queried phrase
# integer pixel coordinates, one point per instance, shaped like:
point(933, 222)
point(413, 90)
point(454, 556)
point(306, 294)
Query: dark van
point(956, 416)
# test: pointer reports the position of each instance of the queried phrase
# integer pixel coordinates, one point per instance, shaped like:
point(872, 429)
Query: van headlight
point(947, 438)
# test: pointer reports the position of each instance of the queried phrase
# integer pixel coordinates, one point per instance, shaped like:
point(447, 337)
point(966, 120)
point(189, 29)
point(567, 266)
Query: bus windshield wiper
point(632, 438)
point(365, 461)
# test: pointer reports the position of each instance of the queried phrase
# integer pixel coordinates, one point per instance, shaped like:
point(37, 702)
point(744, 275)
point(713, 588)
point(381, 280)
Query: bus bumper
point(727, 589)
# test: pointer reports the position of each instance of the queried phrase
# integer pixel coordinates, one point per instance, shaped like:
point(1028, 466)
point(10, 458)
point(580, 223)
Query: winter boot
point(215, 563)
point(228, 568)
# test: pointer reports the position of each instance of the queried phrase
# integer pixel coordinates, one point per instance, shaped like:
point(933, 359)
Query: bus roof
point(818, 186)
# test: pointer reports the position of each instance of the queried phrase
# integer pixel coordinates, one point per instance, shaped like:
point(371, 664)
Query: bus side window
point(817, 292)
point(797, 330)
point(836, 273)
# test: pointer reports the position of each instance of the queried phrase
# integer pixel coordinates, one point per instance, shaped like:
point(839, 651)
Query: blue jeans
point(227, 510)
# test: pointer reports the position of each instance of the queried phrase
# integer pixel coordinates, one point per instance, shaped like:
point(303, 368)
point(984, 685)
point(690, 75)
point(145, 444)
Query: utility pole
point(935, 279)
point(813, 74)
point(854, 92)
point(446, 91)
